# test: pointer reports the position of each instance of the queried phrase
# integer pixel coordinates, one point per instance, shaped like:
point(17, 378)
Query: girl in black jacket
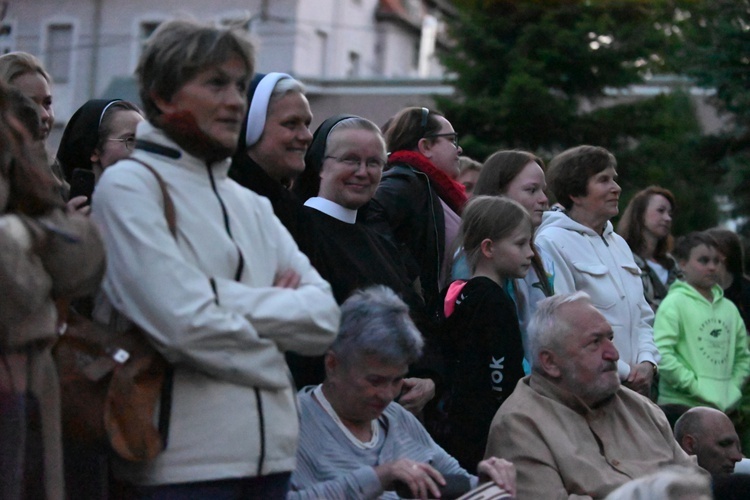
point(479, 334)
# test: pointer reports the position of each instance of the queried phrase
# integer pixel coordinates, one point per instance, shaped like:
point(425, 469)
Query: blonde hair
point(493, 217)
point(15, 64)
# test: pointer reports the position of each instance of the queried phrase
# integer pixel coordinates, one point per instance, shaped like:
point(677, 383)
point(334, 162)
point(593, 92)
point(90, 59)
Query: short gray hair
point(671, 483)
point(376, 322)
point(547, 329)
point(180, 49)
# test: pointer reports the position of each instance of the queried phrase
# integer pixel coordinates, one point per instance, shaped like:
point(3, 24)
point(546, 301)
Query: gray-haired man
point(570, 428)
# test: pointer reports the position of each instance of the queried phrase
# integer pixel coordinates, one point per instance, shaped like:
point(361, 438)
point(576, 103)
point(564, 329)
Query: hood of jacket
point(683, 288)
point(561, 219)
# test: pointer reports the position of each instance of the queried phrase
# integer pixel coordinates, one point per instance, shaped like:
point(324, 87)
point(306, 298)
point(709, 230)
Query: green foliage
point(715, 51)
point(535, 75)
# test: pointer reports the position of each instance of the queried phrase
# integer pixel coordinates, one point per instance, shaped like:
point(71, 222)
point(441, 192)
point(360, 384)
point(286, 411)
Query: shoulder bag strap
point(165, 406)
point(169, 211)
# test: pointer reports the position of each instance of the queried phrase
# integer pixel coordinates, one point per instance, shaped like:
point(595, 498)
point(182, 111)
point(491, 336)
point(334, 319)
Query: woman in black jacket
point(419, 201)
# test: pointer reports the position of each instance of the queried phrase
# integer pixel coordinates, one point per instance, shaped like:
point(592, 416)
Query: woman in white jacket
point(589, 256)
point(223, 299)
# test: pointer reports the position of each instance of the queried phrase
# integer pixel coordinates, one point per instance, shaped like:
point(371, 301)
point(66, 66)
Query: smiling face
point(527, 188)
point(588, 359)
point(441, 150)
point(360, 391)
point(600, 202)
point(345, 183)
point(34, 86)
point(701, 269)
point(657, 219)
point(216, 97)
point(281, 149)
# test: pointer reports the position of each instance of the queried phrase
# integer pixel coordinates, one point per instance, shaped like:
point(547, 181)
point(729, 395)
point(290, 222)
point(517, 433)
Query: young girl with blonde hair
point(479, 334)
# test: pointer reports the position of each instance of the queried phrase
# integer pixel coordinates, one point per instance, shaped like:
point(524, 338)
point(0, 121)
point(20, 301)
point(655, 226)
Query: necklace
point(362, 445)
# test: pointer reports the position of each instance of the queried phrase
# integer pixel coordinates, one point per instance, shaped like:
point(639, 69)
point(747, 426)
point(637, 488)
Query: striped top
point(330, 466)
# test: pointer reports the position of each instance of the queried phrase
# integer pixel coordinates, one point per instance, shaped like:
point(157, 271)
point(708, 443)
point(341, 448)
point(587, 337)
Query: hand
point(499, 471)
point(76, 206)
point(422, 479)
point(415, 393)
point(287, 279)
point(640, 378)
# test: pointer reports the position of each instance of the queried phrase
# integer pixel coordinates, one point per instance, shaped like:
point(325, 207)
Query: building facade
point(369, 57)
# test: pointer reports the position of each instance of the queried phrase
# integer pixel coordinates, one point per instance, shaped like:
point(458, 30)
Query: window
point(59, 51)
point(322, 49)
point(145, 30)
point(7, 38)
point(353, 71)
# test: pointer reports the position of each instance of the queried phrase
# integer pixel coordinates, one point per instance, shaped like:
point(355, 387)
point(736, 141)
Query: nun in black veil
point(342, 171)
point(343, 167)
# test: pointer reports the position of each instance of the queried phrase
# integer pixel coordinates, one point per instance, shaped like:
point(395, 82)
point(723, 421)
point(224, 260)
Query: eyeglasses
point(355, 162)
point(128, 141)
point(451, 136)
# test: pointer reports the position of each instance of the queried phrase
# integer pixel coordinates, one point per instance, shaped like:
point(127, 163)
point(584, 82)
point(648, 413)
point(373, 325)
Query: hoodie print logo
point(712, 345)
point(496, 372)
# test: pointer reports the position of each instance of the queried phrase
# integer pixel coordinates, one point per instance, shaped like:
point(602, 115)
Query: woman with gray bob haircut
point(355, 441)
point(375, 322)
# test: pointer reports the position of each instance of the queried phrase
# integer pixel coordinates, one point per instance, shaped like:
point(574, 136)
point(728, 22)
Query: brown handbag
point(111, 383)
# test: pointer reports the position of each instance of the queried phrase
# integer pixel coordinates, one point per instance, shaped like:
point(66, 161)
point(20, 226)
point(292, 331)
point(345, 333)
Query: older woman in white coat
point(589, 256)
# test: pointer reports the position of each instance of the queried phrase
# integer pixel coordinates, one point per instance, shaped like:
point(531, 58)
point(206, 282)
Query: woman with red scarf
point(419, 201)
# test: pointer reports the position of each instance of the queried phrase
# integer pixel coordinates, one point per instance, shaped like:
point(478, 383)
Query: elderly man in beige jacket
point(570, 428)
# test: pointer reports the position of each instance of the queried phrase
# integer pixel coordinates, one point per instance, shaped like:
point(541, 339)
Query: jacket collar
point(563, 220)
point(154, 141)
point(681, 286)
point(546, 388)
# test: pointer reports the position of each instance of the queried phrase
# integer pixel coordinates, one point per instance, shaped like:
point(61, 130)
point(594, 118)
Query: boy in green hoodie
point(700, 334)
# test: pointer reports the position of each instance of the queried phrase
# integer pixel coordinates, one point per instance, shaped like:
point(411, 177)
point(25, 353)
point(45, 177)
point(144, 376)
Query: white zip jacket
point(603, 267)
point(233, 406)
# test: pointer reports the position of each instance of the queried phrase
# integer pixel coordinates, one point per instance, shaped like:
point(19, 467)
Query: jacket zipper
point(434, 227)
point(237, 276)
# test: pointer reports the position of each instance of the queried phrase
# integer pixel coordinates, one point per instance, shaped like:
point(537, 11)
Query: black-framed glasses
point(128, 141)
point(451, 136)
point(355, 162)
